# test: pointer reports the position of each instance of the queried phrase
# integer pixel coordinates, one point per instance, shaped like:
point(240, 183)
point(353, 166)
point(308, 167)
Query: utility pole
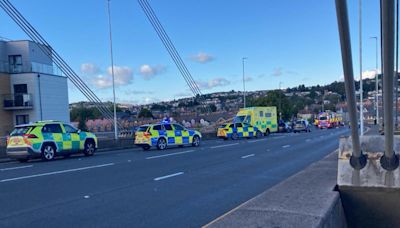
point(280, 101)
point(244, 84)
point(376, 80)
point(397, 63)
point(112, 72)
point(361, 79)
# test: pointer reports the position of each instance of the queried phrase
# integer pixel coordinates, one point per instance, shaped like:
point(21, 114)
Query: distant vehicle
point(164, 135)
point(263, 118)
point(328, 119)
point(302, 125)
point(48, 139)
point(284, 127)
point(238, 130)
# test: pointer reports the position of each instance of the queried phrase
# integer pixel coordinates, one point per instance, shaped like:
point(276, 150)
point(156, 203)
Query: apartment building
point(31, 87)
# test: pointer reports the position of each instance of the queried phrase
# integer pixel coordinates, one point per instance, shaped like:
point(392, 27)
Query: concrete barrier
point(307, 199)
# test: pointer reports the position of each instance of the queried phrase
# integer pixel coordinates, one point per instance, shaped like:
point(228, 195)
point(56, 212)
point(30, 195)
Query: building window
point(15, 62)
point(22, 119)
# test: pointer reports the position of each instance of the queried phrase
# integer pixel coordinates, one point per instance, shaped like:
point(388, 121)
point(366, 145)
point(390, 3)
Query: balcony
point(17, 101)
point(30, 67)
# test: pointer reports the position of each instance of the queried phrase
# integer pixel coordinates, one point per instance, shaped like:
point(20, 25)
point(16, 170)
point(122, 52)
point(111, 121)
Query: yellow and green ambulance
point(48, 139)
point(265, 119)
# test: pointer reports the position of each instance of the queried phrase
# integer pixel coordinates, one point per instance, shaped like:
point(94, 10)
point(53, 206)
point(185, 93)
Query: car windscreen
point(142, 128)
point(299, 122)
point(239, 119)
point(322, 118)
point(19, 131)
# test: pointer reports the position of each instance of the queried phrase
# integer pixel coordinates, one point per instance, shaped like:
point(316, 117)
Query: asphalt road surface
point(178, 187)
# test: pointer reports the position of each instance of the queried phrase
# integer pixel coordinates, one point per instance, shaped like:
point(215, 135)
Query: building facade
point(31, 87)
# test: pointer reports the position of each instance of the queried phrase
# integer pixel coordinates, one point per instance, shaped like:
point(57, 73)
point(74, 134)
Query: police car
point(48, 139)
point(238, 130)
point(165, 134)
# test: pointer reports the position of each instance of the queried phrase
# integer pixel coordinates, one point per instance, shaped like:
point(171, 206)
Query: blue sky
point(295, 42)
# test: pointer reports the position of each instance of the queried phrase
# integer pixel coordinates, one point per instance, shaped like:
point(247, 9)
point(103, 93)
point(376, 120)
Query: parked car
point(164, 135)
point(302, 125)
point(284, 127)
point(48, 139)
point(238, 130)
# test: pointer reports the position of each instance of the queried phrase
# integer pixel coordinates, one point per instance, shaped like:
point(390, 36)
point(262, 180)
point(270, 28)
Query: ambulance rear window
point(142, 128)
point(21, 130)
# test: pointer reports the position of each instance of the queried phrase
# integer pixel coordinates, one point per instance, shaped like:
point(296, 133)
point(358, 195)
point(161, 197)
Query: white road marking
point(86, 197)
point(257, 140)
point(168, 176)
point(14, 168)
point(285, 146)
point(308, 140)
point(56, 172)
point(171, 154)
point(247, 156)
point(268, 150)
point(232, 144)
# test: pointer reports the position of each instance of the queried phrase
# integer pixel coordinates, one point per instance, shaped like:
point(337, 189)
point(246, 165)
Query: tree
point(213, 108)
point(145, 113)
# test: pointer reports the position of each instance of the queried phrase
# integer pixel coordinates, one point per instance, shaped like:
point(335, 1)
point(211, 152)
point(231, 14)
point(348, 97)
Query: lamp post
point(112, 72)
point(280, 100)
point(376, 80)
point(361, 79)
point(244, 84)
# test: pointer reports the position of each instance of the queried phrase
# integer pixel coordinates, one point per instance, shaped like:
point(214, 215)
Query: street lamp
point(244, 84)
point(376, 80)
point(361, 79)
point(280, 100)
point(112, 72)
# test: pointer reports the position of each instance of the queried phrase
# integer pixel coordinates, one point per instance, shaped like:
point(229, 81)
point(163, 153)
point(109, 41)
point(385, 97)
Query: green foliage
point(145, 113)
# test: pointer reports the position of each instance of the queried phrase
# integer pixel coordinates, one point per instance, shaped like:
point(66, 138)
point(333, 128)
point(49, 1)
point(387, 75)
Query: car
point(163, 135)
point(301, 125)
point(238, 130)
point(284, 127)
point(48, 139)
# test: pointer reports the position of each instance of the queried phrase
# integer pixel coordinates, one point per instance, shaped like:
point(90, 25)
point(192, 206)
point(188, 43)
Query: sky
point(293, 42)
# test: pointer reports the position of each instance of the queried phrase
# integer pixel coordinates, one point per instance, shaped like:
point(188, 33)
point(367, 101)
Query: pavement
point(178, 187)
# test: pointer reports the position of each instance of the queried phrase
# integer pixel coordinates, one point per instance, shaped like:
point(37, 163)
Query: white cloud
point(202, 57)
point(369, 74)
point(137, 92)
point(248, 78)
point(216, 82)
point(149, 72)
point(90, 68)
point(277, 72)
point(123, 76)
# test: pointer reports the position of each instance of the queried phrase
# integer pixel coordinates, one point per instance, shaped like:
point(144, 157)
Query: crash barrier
point(307, 199)
point(371, 195)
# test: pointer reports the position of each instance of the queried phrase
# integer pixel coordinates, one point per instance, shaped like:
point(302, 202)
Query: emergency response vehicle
point(238, 130)
point(165, 134)
point(48, 139)
point(328, 119)
point(263, 118)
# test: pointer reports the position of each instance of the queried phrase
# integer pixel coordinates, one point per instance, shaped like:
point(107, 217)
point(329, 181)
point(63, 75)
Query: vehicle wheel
point(89, 148)
point(146, 147)
point(196, 141)
point(23, 160)
point(234, 136)
point(180, 146)
point(225, 139)
point(259, 134)
point(48, 152)
point(267, 132)
point(161, 144)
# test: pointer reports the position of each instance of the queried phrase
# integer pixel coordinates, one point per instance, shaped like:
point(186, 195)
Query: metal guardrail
point(389, 161)
point(29, 67)
point(17, 101)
